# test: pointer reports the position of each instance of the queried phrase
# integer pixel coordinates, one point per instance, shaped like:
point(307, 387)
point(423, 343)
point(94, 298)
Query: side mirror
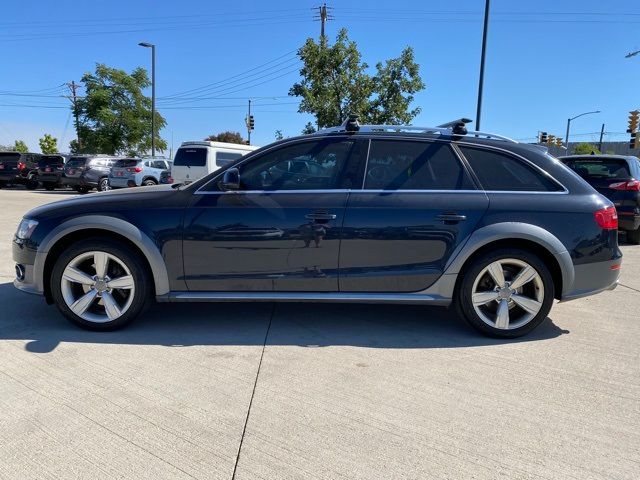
point(230, 180)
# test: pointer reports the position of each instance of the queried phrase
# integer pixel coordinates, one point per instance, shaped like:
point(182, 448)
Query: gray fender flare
point(514, 230)
point(111, 224)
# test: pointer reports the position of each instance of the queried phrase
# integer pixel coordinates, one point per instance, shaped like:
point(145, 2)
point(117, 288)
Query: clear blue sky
point(547, 60)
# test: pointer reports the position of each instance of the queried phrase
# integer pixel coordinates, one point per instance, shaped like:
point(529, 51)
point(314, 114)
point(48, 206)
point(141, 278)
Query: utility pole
point(153, 94)
point(482, 58)
point(74, 101)
point(601, 135)
point(323, 16)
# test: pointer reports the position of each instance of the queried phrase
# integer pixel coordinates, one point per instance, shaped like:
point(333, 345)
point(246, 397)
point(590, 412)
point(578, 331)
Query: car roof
point(602, 156)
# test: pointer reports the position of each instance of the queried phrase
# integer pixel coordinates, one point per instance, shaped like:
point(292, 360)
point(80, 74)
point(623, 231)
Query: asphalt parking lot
point(316, 391)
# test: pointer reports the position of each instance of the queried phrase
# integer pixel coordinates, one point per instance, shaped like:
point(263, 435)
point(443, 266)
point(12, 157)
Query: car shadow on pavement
point(27, 317)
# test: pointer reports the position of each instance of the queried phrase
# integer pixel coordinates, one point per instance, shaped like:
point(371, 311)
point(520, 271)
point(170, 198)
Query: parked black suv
point(617, 177)
point(86, 172)
point(51, 171)
point(350, 214)
point(19, 168)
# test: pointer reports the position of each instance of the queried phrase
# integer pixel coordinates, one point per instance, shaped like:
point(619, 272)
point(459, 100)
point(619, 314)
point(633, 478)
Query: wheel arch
point(517, 235)
point(98, 226)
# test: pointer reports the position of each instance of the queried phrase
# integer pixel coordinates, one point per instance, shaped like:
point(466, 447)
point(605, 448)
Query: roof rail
point(454, 128)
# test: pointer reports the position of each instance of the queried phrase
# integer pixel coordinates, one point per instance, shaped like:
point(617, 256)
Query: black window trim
point(520, 158)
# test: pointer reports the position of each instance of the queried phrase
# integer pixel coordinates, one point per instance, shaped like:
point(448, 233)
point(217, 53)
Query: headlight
point(26, 228)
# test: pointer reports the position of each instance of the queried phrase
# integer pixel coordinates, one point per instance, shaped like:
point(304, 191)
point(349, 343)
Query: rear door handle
point(451, 217)
point(321, 216)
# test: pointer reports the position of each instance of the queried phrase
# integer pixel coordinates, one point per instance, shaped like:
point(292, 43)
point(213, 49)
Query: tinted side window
point(191, 157)
point(498, 171)
point(314, 165)
point(224, 158)
point(408, 165)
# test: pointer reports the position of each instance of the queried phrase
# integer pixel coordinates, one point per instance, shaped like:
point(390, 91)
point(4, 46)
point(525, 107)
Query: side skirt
point(330, 297)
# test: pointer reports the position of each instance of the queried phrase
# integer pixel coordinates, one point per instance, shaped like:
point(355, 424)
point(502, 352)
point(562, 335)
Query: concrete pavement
point(343, 391)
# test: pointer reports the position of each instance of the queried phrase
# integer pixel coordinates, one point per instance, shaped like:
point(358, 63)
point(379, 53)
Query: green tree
point(228, 137)
point(308, 129)
point(48, 144)
point(20, 146)
point(335, 83)
point(114, 116)
point(585, 149)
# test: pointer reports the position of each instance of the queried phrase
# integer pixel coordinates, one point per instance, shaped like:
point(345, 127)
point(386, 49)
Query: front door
point(281, 230)
point(418, 204)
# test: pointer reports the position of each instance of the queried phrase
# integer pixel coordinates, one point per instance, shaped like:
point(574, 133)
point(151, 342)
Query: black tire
point(32, 183)
point(463, 296)
point(49, 187)
point(149, 182)
point(103, 185)
point(3, 184)
point(142, 296)
point(82, 190)
point(633, 236)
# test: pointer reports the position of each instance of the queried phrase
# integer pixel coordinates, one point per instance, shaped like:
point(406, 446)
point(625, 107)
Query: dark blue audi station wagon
point(369, 214)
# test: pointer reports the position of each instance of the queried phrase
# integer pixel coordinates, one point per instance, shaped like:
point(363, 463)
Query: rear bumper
point(50, 177)
point(628, 222)
point(592, 278)
point(11, 178)
point(78, 182)
point(122, 182)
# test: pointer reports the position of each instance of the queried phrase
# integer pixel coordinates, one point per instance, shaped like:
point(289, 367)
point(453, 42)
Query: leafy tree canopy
point(20, 146)
point(48, 144)
point(585, 149)
point(335, 83)
point(114, 116)
point(228, 136)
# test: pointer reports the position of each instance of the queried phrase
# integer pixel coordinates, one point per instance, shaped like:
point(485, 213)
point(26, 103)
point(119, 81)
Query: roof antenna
point(351, 123)
point(458, 127)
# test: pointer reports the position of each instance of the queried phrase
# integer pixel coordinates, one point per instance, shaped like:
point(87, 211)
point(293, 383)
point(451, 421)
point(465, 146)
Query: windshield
point(600, 168)
point(191, 157)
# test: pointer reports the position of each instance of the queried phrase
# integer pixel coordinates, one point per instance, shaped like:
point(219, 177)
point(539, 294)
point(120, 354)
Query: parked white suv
point(195, 160)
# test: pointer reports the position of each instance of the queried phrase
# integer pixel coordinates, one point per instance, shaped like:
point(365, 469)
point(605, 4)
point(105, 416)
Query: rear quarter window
point(498, 171)
point(190, 157)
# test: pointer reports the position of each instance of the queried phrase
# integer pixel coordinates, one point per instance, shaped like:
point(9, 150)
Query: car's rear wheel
point(81, 189)
point(506, 293)
point(32, 182)
point(100, 284)
point(3, 184)
point(633, 236)
point(103, 185)
point(49, 186)
point(149, 182)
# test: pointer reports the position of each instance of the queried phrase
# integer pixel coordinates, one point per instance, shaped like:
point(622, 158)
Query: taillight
point(21, 166)
point(607, 218)
point(169, 179)
point(633, 185)
point(134, 169)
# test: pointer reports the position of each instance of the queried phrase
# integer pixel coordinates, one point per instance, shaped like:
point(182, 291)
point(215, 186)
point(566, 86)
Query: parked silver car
point(132, 172)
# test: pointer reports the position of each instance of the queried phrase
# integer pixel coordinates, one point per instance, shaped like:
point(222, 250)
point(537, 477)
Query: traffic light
point(633, 121)
point(559, 142)
point(543, 137)
point(251, 123)
point(634, 142)
point(551, 139)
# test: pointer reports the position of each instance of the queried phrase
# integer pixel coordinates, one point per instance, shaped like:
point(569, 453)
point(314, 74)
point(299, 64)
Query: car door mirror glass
point(230, 180)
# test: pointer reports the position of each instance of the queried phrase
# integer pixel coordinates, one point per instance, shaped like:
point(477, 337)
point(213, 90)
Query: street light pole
point(153, 95)
point(566, 139)
point(482, 57)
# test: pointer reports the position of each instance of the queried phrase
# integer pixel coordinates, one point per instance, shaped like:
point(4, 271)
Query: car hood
point(101, 201)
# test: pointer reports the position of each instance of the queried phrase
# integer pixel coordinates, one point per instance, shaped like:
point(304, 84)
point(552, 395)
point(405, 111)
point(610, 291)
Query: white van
point(194, 160)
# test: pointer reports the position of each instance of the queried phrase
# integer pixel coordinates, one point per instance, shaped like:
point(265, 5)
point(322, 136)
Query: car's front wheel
point(103, 185)
point(100, 284)
point(506, 293)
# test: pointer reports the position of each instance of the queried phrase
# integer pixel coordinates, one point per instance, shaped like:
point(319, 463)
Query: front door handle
point(451, 217)
point(320, 216)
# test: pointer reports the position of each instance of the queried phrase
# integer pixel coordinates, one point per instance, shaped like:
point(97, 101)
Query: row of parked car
point(193, 160)
point(81, 172)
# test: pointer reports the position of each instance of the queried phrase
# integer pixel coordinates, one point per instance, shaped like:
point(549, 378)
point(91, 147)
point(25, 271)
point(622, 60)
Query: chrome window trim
point(351, 191)
point(520, 157)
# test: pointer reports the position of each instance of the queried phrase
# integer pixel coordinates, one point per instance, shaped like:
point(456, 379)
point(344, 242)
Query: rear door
point(417, 205)
point(190, 164)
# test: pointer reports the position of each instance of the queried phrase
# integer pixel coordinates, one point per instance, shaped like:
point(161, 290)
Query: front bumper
point(25, 257)
point(592, 278)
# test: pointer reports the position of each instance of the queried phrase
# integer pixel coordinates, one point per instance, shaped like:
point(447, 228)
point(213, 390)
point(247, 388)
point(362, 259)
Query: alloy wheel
point(507, 294)
point(97, 286)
